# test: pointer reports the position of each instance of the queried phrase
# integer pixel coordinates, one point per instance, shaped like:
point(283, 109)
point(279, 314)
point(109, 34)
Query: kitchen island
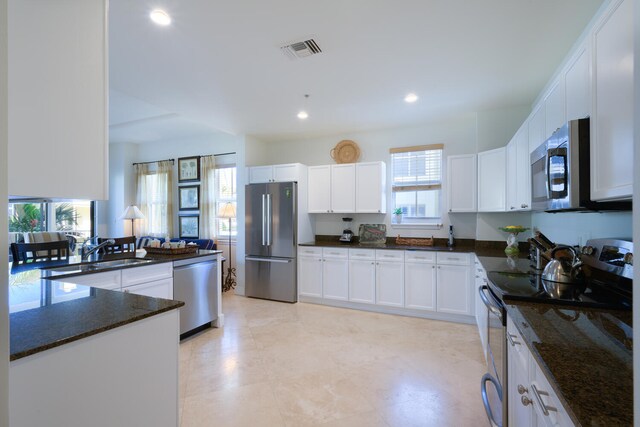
point(82, 355)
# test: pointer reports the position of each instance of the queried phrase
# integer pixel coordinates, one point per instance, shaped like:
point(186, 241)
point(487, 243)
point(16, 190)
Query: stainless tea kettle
point(563, 271)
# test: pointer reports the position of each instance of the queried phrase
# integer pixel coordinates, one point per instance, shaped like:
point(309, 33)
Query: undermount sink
point(93, 266)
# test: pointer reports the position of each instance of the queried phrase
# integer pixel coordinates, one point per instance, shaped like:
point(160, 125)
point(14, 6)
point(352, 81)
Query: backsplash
point(576, 228)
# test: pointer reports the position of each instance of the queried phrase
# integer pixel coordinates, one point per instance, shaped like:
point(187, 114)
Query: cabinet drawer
point(148, 273)
point(309, 251)
point(453, 258)
point(389, 255)
point(335, 253)
point(419, 256)
point(162, 288)
point(515, 344)
point(368, 254)
point(105, 280)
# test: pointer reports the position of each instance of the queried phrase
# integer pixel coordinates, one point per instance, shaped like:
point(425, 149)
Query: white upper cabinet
point(319, 189)
point(554, 108)
point(612, 121)
point(519, 171)
point(343, 188)
point(492, 177)
point(370, 187)
point(537, 129)
point(578, 86)
point(276, 173)
point(462, 183)
point(58, 86)
point(348, 188)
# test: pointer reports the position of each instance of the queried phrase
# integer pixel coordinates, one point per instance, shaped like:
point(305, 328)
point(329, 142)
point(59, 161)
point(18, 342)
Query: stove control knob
point(628, 258)
point(588, 250)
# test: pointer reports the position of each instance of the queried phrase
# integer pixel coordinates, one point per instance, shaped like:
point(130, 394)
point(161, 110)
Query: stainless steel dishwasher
point(195, 283)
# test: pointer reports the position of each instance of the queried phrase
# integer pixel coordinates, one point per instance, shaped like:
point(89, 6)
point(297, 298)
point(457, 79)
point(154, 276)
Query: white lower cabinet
point(531, 400)
point(390, 283)
point(335, 274)
point(453, 283)
point(453, 289)
point(162, 288)
point(310, 271)
point(106, 280)
point(154, 280)
point(413, 280)
point(362, 276)
point(420, 281)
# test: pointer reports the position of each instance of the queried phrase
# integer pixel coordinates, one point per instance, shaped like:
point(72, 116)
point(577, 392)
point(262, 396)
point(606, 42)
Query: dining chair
point(46, 251)
point(121, 245)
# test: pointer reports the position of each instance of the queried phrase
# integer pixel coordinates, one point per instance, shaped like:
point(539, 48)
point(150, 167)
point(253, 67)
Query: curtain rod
point(155, 161)
point(173, 160)
point(221, 154)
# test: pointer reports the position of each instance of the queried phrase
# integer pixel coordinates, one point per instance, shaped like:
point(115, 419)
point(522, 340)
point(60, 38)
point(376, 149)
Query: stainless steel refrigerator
point(270, 233)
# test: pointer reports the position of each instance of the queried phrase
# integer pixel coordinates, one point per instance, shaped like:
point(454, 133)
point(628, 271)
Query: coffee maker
point(347, 234)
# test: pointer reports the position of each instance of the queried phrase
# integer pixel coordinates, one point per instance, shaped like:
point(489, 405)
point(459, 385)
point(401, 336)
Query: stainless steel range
point(608, 269)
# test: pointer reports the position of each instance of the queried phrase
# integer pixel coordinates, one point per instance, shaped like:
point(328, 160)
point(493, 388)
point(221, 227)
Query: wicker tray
point(171, 251)
point(414, 242)
point(345, 151)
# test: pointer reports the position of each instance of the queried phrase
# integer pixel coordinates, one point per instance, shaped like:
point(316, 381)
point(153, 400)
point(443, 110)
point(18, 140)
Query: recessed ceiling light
point(160, 17)
point(412, 97)
point(302, 115)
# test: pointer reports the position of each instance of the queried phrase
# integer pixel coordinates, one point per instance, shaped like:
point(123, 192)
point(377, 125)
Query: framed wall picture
point(189, 226)
point(189, 198)
point(189, 169)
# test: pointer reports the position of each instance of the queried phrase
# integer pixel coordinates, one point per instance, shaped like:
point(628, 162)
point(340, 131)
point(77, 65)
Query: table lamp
point(228, 210)
point(132, 212)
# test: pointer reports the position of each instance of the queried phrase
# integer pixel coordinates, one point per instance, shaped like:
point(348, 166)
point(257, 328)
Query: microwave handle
point(547, 160)
point(562, 193)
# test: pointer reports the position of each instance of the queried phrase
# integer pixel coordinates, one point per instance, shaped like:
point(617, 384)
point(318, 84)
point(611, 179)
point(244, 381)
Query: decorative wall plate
point(345, 151)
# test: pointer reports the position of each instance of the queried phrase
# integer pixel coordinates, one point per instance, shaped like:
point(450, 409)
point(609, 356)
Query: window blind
point(417, 168)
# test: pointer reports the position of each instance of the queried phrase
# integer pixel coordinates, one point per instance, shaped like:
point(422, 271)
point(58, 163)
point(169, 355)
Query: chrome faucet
point(86, 253)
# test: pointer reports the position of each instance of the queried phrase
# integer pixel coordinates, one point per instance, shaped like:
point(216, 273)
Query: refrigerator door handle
point(282, 261)
point(264, 216)
point(268, 219)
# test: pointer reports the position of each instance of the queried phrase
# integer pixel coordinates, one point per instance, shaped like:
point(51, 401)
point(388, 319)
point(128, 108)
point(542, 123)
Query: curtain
point(208, 204)
point(164, 194)
point(142, 172)
point(154, 197)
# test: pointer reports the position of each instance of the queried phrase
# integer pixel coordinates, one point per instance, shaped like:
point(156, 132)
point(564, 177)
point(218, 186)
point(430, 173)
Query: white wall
point(576, 227)
point(457, 134)
point(495, 128)
point(4, 243)
point(122, 177)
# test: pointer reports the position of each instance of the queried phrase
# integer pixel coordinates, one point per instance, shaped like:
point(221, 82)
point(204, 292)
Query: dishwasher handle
point(282, 261)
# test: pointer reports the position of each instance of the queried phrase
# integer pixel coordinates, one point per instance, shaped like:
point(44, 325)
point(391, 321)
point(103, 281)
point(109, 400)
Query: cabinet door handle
point(526, 401)
point(545, 408)
point(522, 390)
point(512, 341)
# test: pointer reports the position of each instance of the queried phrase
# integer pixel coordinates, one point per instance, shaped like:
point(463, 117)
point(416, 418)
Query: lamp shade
point(132, 212)
point(228, 210)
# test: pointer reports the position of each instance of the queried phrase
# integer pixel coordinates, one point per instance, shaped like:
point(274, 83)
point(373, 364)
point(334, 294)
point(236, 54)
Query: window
point(75, 219)
point(225, 193)
point(417, 181)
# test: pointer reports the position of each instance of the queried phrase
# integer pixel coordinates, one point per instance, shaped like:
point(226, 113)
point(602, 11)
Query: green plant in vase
point(512, 238)
point(397, 214)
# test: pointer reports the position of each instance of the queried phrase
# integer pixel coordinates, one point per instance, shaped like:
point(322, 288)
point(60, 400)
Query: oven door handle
point(494, 308)
point(485, 398)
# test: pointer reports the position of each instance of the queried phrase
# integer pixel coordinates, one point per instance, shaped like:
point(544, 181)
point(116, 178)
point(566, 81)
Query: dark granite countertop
point(480, 248)
point(46, 313)
point(586, 358)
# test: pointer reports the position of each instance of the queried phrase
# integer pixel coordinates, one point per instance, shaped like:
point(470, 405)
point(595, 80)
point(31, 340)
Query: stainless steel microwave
point(560, 172)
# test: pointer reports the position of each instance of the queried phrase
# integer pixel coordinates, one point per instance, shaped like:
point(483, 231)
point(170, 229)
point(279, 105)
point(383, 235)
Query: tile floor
point(278, 364)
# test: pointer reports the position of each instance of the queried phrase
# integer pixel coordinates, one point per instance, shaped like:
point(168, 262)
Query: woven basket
point(345, 151)
point(414, 242)
point(171, 251)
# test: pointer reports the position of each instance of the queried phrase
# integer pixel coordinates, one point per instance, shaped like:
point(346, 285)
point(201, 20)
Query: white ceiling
point(219, 66)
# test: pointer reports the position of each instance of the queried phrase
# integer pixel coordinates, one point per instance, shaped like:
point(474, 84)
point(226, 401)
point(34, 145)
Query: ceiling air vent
point(301, 49)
